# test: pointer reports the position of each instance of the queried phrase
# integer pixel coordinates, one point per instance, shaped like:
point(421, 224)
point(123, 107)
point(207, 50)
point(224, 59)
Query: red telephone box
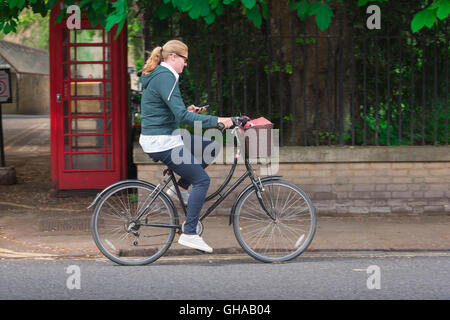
point(88, 111)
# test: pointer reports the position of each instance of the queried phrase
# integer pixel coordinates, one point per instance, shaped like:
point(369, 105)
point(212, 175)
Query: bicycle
point(134, 222)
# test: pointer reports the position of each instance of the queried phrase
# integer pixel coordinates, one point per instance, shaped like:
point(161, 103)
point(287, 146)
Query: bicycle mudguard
point(233, 209)
point(148, 184)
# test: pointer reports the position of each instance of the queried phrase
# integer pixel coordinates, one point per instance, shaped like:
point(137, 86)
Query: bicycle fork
point(259, 188)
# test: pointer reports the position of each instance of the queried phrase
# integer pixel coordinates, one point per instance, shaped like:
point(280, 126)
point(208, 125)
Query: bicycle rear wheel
point(280, 239)
point(122, 238)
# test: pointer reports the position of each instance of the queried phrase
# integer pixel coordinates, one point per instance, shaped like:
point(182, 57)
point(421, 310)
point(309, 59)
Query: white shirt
point(160, 143)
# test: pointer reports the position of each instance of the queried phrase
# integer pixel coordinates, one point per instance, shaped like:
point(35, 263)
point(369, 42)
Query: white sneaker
point(194, 241)
point(173, 193)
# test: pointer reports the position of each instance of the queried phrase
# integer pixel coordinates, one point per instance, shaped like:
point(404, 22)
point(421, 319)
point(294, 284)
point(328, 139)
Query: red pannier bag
point(259, 132)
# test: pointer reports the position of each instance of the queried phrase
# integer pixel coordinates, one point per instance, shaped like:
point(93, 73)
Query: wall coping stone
point(324, 154)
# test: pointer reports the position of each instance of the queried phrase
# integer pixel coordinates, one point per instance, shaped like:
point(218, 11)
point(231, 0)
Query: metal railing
point(326, 90)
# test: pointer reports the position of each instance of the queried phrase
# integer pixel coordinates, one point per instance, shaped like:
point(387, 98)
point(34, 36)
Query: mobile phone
point(206, 107)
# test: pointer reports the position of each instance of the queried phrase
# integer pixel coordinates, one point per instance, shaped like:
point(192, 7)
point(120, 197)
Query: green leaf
point(214, 4)
point(6, 28)
point(39, 7)
point(210, 18)
point(103, 21)
point(444, 10)
point(98, 4)
point(111, 20)
point(20, 4)
point(249, 3)
point(60, 17)
point(423, 18)
point(314, 8)
point(164, 11)
point(183, 5)
point(83, 3)
point(199, 9)
point(51, 3)
point(430, 19)
point(254, 15)
point(323, 14)
point(118, 15)
point(205, 9)
point(265, 9)
point(220, 9)
point(362, 3)
point(295, 5)
point(418, 21)
point(11, 4)
point(119, 29)
point(303, 10)
point(92, 16)
point(288, 70)
point(194, 14)
point(435, 4)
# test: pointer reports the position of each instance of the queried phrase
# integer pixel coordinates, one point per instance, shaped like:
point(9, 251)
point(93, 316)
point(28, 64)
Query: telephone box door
point(88, 79)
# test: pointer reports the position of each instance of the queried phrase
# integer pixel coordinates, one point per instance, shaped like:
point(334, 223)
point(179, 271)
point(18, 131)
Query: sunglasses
point(185, 58)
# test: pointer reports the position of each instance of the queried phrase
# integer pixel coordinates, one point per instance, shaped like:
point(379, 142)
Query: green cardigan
point(162, 108)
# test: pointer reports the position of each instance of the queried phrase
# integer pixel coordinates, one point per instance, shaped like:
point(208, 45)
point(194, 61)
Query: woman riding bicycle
point(162, 111)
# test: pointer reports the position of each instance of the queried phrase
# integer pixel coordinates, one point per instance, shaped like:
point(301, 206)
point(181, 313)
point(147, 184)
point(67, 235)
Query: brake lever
point(220, 126)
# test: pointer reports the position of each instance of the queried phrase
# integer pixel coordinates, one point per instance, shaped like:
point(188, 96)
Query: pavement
point(28, 233)
point(36, 224)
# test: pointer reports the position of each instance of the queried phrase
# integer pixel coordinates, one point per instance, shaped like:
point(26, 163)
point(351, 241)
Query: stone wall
point(348, 180)
point(32, 97)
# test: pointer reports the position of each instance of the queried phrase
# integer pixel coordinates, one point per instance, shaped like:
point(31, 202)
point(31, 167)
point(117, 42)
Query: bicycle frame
point(248, 173)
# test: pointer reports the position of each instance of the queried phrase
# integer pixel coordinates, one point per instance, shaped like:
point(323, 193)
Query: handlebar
point(240, 121)
point(237, 121)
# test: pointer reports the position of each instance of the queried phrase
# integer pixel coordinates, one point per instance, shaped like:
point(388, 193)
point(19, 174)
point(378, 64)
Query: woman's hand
point(194, 109)
point(227, 122)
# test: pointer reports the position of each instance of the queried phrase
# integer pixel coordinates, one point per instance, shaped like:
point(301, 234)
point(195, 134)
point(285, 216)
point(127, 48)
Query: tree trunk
point(146, 32)
point(319, 81)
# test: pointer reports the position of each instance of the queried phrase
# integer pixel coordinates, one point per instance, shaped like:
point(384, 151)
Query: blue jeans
point(192, 172)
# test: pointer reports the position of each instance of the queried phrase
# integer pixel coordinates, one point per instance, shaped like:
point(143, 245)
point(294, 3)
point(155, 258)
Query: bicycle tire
point(296, 228)
point(118, 207)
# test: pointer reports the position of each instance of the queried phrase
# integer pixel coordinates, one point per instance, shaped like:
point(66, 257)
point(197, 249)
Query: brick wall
point(355, 186)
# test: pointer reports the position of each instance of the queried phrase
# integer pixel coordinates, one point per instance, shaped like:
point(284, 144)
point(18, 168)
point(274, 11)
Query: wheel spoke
point(280, 239)
point(124, 240)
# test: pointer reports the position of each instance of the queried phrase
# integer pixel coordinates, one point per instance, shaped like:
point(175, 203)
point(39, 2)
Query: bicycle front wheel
point(123, 238)
point(286, 234)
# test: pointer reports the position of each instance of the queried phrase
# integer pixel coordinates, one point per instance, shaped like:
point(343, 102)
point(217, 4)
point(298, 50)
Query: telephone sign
point(5, 86)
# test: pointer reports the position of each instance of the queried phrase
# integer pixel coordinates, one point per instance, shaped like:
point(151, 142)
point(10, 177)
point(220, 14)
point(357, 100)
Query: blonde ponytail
point(160, 53)
point(152, 61)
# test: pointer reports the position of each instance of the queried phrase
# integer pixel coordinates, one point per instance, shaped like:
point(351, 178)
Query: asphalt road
point(320, 276)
